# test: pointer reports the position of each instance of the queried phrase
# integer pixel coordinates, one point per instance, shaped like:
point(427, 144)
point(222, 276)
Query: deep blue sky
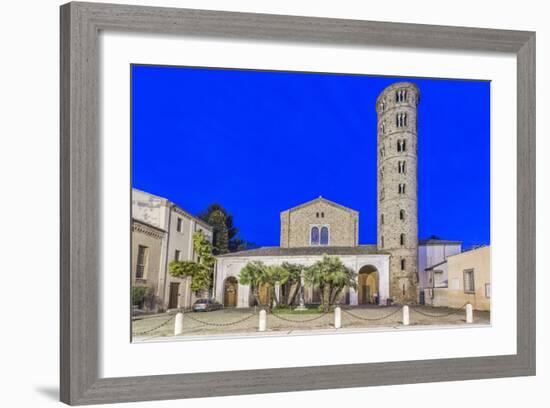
point(262, 142)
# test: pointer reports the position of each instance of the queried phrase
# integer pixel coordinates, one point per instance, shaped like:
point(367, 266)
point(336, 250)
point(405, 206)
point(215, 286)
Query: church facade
point(309, 231)
point(386, 270)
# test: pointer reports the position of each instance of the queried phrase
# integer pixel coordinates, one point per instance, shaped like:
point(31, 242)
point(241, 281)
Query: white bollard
point(405, 315)
point(337, 317)
point(469, 313)
point(178, 325)
point(263, 321)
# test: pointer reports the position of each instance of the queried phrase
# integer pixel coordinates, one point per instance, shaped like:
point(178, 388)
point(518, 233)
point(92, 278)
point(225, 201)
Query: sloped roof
point(429, 268)
point(324, 200)
point(437, 241)
point(312, 250)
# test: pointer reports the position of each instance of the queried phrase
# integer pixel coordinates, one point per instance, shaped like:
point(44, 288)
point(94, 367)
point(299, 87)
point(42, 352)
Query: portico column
point(384, 281)
point(353, 294)
point(278, 291)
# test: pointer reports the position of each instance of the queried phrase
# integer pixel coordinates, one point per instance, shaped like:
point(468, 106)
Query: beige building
point(177, 227)
point(147, 261)
point(470, 278)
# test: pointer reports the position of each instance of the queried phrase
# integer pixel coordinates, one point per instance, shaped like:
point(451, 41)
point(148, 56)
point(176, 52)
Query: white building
point(432, 267)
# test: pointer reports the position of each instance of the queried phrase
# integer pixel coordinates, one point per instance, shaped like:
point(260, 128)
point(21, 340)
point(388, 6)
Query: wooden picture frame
point(80, 233)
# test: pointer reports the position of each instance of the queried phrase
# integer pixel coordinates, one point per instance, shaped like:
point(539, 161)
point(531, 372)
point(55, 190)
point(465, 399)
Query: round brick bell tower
point(398, 186)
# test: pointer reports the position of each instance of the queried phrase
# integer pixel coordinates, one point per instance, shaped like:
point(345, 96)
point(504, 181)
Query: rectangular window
point(179, 225)
point(141, 261)
point(403, 264)
point(469, 286)
point(177, 255)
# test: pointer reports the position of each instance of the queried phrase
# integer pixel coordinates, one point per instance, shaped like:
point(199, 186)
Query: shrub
point(138, 295)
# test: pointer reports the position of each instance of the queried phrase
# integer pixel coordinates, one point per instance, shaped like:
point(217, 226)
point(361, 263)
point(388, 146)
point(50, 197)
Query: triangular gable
point(323, 200)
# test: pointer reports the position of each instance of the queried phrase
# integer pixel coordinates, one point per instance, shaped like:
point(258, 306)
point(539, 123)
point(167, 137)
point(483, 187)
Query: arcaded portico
point(372, 268)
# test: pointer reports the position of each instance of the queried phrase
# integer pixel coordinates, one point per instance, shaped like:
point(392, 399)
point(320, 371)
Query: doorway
point(230, 290)
point(174, 295)
point(367, 285)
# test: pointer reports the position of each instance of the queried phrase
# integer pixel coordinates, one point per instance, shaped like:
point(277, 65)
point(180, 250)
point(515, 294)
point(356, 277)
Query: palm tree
point(294, 280)
point(256, 274)
point(331, 276)
point(253, 274)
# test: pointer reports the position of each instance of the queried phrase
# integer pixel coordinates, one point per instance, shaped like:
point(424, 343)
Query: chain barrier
point(301, 320)
point(438, 315)
point(190, 317)
point(371, 319)
point(286, 319)
point(156, 327)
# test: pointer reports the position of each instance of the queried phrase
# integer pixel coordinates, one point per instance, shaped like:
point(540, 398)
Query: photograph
point(291, 203)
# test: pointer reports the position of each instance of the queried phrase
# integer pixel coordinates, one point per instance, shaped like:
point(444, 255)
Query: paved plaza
point(245, 321)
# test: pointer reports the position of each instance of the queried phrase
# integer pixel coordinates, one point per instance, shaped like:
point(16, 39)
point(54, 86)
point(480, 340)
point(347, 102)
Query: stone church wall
point(296, 224)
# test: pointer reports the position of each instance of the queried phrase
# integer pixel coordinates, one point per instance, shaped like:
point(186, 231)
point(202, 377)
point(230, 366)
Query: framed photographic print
point(235, 183)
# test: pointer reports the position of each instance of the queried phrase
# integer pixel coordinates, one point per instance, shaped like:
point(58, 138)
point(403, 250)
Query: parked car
point(206, 305)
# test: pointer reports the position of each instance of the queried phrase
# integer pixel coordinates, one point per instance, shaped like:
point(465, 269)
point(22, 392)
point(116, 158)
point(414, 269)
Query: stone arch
point(368, 285)
point(230, 291)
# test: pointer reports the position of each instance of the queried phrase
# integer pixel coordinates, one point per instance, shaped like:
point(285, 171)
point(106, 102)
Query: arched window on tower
point(401, 167)
point(402, 239)
point(401, 214)
point(400, 119)
point(401, 145)
point(314, 236)
point(401, 188)
point(324, 236)
point(382, 241)
point(382, 219)
point(403, 264)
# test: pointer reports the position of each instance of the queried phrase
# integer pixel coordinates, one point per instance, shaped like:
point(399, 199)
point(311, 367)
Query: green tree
point(331, 276)
point(293, 281)
point(225, 237)
point(200, 271)
point(203, 249)
point(223, 229)
point(253, 274)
